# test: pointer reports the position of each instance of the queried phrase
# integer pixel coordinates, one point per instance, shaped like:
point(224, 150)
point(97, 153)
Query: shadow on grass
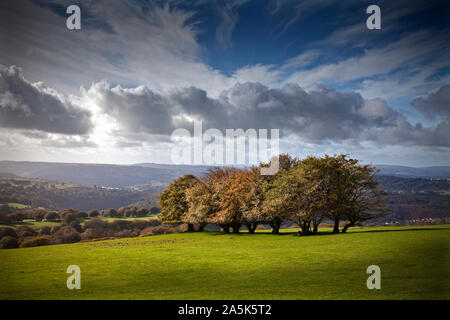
point(323, 233)
point(408, 229)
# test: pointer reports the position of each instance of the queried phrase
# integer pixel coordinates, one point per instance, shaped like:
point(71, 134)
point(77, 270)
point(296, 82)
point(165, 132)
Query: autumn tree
point(208, 198)
point(93, 214)
point(334, 174)
point(202, 205)
point(240, 203)
point(365, 201)
point(274, 215)
point(298, 194)
point(173, 203)
point(350, 189)
point(251, 190)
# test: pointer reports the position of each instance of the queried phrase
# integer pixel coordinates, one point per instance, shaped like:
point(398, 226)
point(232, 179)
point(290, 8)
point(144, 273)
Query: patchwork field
point(37, 224)
point(414, 262)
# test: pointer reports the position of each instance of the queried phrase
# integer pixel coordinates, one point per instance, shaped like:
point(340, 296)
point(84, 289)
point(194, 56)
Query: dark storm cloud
point(24, 105)
point(434, 104)
point(317, 115)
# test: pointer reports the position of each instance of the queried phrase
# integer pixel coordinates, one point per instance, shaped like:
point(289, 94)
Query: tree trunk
point(225, 228)
point(315, 229)
point(275, 227)
point(251, 227)
point(236, 228)
point(336, 225)
point(201, 226)
point(348, 225)
point(305, 226)
point(190, 227)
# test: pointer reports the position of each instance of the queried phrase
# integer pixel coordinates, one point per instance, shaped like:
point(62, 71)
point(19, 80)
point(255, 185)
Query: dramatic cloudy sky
point(114, 91)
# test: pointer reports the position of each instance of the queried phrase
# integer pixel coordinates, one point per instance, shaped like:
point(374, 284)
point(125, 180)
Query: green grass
point(37, 224)
point(32, 223)
point(15, 205)
point(414, 262)
point(131, 218)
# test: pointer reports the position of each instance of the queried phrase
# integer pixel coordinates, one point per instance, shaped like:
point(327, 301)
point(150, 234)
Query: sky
point(116, 90)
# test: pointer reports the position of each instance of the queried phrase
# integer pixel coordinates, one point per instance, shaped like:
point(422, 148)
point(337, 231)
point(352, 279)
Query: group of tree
point(337, 188)
point(41, 214)
point(73, 229)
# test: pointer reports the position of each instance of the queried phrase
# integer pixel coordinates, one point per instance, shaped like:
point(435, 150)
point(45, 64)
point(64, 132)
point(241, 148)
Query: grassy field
point(37, 224)
point(414, 262)
point(135, 218)
point(32, 223)
point(15, 205)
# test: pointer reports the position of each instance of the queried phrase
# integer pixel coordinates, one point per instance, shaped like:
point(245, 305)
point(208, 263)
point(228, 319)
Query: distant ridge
point(107, 175)
point(119, 176)
point(437, 172)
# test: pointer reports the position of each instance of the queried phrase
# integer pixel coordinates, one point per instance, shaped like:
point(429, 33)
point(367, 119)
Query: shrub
point(155, 210)
point(111, 212)
point(51, 216)
point(122, 211)
point(139, 225)
point(5, 209)
point(39, 214)
point(131, 212)
point(55, 229)
point(119, 225)
point(182, 228)
point(36, 241)
point(96, 224)
point(45, 230)
point(4, 219)
point(142, 212)
point(163, 229)
point(81, 215)
point(127, 233)
point(26, 231)
point(76, 225)
point(8, 232)
point(8, 243)
point(28, 213)
point(16, 217)
point(91, 234)
point(72, 214)
point(154, 222)
point(93, 214)
point(68, 217)
point(66, 234)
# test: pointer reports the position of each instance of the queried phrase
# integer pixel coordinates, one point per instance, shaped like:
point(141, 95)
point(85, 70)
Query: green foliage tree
point(274, 215)
point(173, 203)
point(365, 199)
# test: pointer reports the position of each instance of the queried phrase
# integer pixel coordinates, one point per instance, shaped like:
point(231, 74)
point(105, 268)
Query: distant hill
point(119, 176)
point(395, 184)
point(8, 175)
point(106, 175)
point(183, 169)
point(438, 172)
point(54, 195)
point(412, 192)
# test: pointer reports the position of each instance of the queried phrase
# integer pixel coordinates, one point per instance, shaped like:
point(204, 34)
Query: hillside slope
point(413, 262)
